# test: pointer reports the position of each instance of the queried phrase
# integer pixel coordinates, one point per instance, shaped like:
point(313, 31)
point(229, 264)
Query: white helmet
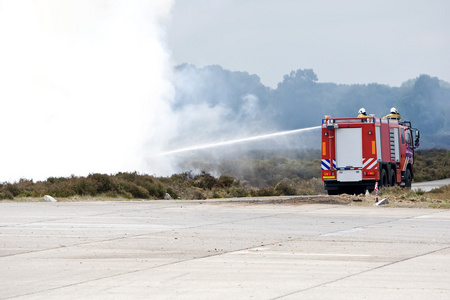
point(362, 111)
point(394, 111)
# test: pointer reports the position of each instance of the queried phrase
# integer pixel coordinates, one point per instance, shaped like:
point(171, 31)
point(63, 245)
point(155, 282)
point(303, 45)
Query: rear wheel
point(383, 178)
point(333, 192)
point(392, 178)
point(361, 190)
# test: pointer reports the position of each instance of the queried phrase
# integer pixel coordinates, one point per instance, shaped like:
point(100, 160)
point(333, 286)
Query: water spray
point(236, 141)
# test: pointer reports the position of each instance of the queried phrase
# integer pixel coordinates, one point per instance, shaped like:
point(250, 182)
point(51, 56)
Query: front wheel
point(408, 179)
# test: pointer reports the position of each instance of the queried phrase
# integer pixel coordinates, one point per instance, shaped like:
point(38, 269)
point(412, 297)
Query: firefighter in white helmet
point(362, 113)
point(393, 114)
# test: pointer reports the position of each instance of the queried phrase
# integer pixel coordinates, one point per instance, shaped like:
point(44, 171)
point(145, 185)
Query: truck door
point(349, 154)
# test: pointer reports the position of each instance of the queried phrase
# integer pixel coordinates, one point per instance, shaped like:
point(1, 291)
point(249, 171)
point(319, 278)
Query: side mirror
point(417, 139)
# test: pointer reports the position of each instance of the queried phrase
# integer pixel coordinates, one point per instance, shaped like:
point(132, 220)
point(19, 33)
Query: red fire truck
point(358, 152)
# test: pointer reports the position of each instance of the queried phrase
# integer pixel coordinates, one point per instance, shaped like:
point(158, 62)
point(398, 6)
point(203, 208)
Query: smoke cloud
point(214, 105)
point(84, 86)
point(87, 86)
point(222, 116)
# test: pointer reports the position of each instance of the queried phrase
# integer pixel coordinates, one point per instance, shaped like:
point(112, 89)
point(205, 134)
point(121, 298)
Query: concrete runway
point(222, 250)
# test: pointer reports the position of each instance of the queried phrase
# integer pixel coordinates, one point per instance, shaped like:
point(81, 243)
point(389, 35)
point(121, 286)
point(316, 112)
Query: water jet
point(236, 141)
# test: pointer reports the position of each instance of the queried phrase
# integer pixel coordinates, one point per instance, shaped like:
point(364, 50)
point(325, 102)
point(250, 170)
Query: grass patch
point(436, 198)
point(431, 164)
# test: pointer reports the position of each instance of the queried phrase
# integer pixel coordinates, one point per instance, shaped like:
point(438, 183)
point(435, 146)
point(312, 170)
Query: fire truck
point(357, 153)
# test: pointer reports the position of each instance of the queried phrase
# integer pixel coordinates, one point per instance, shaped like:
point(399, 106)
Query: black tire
point(383, 178)
point(408, 179)
point(392, 178)
point(333, 192)
point(361, 190)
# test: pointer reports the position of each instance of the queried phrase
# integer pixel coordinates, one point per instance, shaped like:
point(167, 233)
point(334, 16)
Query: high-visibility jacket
point(393, 116)
point(363, 116)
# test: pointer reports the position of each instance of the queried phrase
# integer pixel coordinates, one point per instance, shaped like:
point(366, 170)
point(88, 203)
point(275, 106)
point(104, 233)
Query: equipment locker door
point(349, 154)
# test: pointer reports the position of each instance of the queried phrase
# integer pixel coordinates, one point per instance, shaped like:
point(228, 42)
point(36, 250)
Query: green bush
point(85, 187)
point(61, 189)
point(205, 181)
point(263, 177)
point(158, 191)
point(6, 195)
point(263, 192)
point(235, 191)
point(103, 183)
point(172, 193)
point(12, 189)
point(197, 194)
point(115, 194)
point(285, 188)
point(135, 190)
point(431, 164)
point(219, 193)
point(55, 180)
point(313, 186)
point(225, 181)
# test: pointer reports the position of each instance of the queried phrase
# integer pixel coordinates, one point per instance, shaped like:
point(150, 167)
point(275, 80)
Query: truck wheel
point(360, 190)
point(408, 178)
point(392, 178)
point(383, 178)
point(333, 192)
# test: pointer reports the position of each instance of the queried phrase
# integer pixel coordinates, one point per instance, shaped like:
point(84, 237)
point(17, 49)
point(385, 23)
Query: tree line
point(240, 103)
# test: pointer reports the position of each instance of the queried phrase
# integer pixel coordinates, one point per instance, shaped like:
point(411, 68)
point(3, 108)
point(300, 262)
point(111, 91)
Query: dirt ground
point(344, 199)
point(370, 200)
point(354, 200)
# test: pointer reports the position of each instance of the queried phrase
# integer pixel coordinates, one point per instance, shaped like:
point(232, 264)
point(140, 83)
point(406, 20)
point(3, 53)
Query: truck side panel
point(385, 144)
point(379, 143)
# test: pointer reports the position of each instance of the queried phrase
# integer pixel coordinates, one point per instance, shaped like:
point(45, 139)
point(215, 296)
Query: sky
point(346, 41)
point(86, 85)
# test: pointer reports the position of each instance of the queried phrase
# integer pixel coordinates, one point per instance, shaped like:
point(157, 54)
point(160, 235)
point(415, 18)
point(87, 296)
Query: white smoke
point(84, 86)
point(250, 108)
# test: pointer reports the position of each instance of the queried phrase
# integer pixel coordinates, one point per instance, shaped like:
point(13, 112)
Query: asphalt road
point(222, 250)
point(429, 185)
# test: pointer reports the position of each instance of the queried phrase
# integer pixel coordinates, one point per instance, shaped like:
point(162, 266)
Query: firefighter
point(362, 113)
point(393, 114)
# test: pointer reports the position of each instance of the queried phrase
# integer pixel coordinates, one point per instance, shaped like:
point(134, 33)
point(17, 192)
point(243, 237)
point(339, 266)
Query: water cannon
point(329, 123)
